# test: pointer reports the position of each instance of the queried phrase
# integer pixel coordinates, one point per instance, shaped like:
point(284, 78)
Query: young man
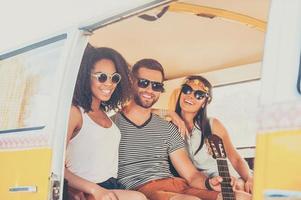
point(147, 142)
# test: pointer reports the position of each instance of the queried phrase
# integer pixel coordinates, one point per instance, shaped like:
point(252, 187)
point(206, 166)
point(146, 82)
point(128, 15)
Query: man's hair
point(149, 64)
point(82, 95)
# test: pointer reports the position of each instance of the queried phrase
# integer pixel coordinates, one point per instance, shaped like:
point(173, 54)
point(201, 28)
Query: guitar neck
point(223, 171)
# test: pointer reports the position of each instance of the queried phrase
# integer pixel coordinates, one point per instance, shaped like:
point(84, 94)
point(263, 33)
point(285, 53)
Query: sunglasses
point(156, 86)
point(103, 77)
point(198, 94)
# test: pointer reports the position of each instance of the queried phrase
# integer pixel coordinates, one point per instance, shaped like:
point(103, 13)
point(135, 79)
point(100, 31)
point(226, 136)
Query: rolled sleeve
point(175, 140)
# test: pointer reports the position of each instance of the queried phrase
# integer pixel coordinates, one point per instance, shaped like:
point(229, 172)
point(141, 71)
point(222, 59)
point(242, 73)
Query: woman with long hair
point(191, 106)
point(103, 84)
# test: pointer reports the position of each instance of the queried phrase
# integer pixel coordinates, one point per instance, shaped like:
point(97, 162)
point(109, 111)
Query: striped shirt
point(144, 150)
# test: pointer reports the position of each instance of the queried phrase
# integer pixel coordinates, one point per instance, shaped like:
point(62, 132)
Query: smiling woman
point(191, 106)
point(92, 138)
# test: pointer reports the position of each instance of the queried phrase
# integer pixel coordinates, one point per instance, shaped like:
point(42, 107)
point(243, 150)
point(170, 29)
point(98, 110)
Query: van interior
point(220, 40)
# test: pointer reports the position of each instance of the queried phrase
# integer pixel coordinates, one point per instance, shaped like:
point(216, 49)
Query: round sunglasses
point(103, 77)
point(156, 86)
point(198, 94)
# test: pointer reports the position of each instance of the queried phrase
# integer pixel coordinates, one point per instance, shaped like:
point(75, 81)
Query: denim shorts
point(110, 184)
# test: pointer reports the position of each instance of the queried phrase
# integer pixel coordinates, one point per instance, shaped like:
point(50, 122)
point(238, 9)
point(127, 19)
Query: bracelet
point(207, 184)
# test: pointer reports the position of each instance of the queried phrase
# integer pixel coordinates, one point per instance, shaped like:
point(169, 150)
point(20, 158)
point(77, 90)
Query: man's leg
point(166, 189)
point(202, 194)
point(124, 195)
point(163, 195)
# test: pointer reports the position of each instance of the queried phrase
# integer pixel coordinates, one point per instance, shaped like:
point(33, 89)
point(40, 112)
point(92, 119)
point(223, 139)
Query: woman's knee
point(129, 195)
point(140, 196)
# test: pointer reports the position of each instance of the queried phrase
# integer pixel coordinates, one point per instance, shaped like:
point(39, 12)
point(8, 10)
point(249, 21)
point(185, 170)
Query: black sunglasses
point(198, 94)
point(103, 77)
point(156, 86)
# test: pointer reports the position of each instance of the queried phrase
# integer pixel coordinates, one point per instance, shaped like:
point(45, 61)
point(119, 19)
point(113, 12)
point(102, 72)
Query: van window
point(27, 84)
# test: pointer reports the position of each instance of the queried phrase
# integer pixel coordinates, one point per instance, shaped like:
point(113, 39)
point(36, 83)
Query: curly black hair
point(82, 95)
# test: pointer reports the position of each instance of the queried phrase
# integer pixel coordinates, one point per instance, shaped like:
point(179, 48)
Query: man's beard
point(142, 103)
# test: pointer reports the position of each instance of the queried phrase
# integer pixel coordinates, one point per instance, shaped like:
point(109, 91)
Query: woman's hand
point(249, 185)
point(75, 194)
point(246, 186)
point(177, 120)
point(233, 182)
point(241, 195)
point(103, 194)
point(215, 183)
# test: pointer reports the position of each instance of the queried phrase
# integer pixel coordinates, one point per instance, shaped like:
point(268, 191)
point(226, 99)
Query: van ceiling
point(193, 36)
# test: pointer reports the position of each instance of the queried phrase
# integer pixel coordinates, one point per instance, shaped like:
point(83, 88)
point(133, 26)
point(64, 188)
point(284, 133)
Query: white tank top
point(202, 160)
point(93, 153)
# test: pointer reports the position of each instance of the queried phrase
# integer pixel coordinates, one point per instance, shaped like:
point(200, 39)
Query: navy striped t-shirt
point(144, 150)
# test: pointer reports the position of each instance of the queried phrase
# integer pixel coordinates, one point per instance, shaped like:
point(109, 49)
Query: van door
point(36, 84)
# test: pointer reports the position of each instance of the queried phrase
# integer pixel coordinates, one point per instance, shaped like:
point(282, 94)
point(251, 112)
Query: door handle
point(31, 188)
point(299, 77)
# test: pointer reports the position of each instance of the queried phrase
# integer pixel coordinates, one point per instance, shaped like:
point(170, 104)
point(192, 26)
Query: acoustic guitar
point(219, 153)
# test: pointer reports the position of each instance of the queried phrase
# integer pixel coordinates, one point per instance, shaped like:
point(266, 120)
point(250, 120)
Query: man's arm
point(187, 170)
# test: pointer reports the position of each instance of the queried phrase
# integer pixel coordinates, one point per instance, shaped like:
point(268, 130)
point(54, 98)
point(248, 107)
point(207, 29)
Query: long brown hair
point(200, 120)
